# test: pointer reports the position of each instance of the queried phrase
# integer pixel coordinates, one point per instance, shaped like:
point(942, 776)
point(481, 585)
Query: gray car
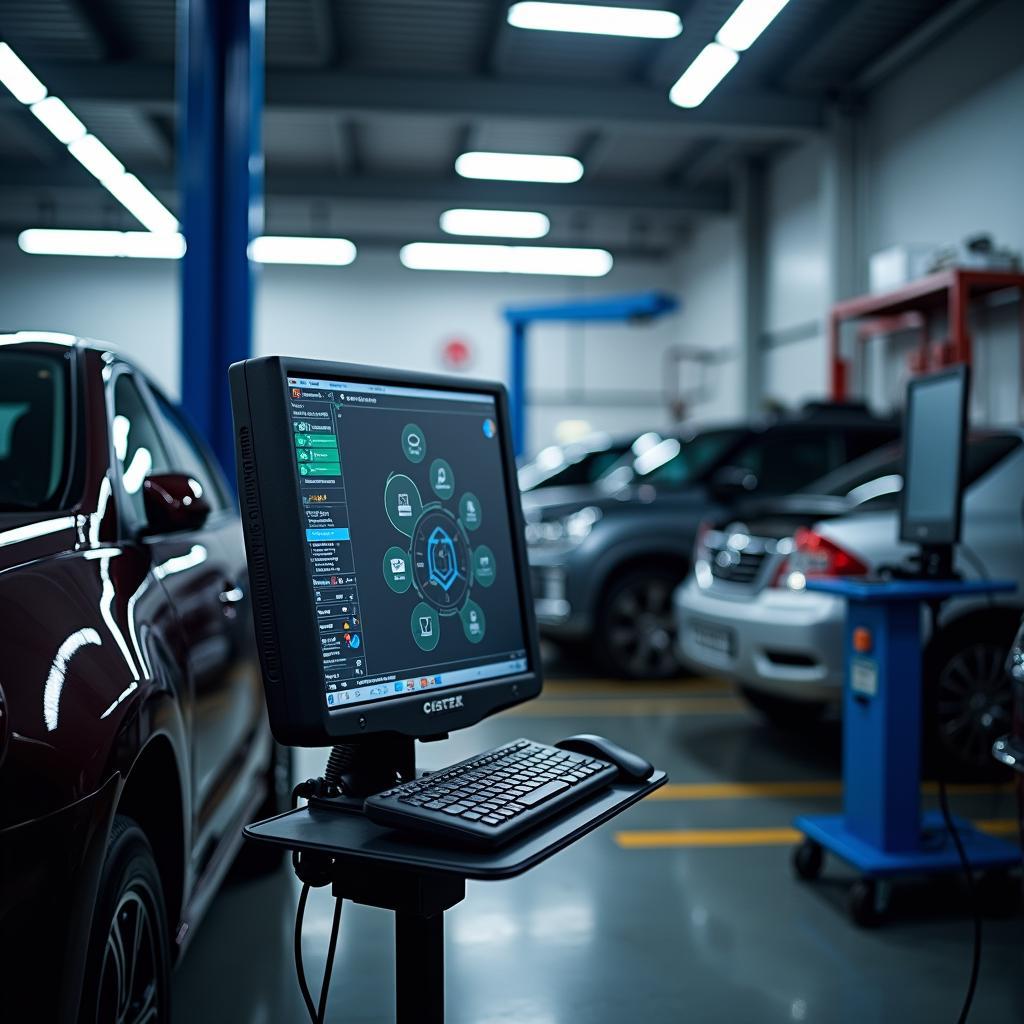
point(745, 613)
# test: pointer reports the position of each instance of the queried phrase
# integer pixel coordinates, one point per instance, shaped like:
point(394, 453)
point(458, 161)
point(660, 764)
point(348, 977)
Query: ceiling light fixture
point(16, 76)
point(747, 22)
point(506, 259)
point(59, 120)
point(54, 114)
point(596, 20)
point(709, 67)
point(561, 170)
point(328, 252)
point(131, 244)
point(495, 223)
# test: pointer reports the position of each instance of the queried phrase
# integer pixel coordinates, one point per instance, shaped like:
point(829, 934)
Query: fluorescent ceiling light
point(596, 20)
point(56, 116)
point(328, 252)
point(747, 22)
point(138, 244)
point(495, 223)
point(519, 167)
point(709, 67)
point(22, 83)
point(96, 158)
point(506, 259)
point(139, 201)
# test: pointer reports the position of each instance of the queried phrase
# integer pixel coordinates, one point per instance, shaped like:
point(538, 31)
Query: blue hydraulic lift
point(220, 74)
point(640, 308)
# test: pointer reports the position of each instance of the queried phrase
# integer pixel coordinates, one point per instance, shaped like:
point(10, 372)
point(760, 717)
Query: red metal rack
point(915, 306)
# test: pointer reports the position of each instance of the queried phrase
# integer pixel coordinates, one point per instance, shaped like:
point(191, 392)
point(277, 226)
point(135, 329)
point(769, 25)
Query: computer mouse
point(632, 767)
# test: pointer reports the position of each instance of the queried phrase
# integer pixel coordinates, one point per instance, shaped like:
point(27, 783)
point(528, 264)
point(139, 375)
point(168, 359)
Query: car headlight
point(571, 529)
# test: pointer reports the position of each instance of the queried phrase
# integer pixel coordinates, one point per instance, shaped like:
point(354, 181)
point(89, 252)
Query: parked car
point(745, 613)
point(134, 742)
point(1009, 749)
point(579, 463)
point(605, 559)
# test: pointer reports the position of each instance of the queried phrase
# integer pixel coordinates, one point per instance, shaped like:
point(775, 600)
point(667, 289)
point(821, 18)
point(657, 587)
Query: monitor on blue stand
point(935, 425)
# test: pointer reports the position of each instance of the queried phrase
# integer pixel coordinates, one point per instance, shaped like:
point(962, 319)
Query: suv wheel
point(968, 700)
point(127, 979)
point(636, 633)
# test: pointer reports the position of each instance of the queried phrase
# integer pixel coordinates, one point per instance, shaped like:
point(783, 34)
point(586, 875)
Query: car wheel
point(257, 859)
point(783, 713)
point(636, 635)
point(968, 701)
point(127, 978)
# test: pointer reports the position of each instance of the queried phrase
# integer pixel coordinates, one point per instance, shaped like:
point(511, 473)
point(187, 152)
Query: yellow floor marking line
point(805, 788)
point(622, 707)
point(656, 839)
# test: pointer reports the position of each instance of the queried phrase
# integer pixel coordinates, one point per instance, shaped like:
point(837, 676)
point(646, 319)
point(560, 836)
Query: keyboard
point(491, 798)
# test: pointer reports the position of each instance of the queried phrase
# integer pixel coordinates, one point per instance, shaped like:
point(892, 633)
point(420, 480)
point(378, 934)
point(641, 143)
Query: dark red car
point(133, 735)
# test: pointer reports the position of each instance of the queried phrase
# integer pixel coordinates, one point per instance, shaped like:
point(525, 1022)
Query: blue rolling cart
point(882, 832)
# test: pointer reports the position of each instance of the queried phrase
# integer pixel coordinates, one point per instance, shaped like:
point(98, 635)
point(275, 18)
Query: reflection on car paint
point(55, 678)
point(32, 530)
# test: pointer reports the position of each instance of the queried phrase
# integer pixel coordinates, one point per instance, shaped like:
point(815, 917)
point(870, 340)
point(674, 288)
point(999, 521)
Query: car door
point(194, 573)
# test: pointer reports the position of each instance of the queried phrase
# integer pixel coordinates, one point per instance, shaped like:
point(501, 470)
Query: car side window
point(189, 456)
point(785, 462)
point(138, 447)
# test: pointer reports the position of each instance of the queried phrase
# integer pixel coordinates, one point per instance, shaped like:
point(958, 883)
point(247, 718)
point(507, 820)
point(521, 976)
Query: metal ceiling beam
point(388, 188)
point(757, 115)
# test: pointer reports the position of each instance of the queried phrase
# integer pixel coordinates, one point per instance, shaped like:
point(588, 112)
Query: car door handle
point(1010, 752)
point(231, 595)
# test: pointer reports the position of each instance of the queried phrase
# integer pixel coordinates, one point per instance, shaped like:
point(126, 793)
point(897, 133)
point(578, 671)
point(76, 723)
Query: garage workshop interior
point(511, 512)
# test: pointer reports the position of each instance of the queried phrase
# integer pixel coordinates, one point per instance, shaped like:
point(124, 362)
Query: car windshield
point(674, 462)
point(33, 431)
point(876, 480)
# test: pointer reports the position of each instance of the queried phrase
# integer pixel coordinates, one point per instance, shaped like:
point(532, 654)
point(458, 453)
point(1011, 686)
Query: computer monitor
point(935, 425)
point(385, 544)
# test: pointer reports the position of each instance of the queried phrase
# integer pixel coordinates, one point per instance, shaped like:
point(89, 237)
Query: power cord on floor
point(972, 892)
point(317, 1014)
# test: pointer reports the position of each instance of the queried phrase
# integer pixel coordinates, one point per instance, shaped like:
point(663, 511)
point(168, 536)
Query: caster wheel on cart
point(864, 905)
point(808, 859)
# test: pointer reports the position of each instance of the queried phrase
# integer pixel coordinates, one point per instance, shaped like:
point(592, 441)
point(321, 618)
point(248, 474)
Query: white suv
point(744, 612)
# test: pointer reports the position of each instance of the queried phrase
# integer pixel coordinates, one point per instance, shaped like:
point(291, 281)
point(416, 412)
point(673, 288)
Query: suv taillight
point(813, 556)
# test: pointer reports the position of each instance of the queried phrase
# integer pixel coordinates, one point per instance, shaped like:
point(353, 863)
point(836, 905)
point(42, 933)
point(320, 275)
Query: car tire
point(636, 631)
point(782, 713)
point(128, 963)
point(255, 860)
point(968, 698)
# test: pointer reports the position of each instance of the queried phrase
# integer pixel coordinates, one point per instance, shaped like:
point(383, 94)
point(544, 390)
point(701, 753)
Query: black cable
point(299, 970)
point(972, 893)
point(329, 966)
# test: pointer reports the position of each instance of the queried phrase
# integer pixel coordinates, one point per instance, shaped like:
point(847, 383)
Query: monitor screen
point(934, 444)
point(407, 534)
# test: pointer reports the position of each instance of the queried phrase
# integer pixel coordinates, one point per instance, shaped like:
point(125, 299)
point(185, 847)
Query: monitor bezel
point(298, 711)
point(934, 532)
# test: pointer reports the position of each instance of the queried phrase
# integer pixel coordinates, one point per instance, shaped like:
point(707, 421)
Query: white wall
point(377, 312)
point(940, 155)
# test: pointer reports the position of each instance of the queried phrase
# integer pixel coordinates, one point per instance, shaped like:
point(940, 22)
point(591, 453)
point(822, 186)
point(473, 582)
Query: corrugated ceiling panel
point(395, 144)
point(50, 29)
point(146, 28)
point(315, 141)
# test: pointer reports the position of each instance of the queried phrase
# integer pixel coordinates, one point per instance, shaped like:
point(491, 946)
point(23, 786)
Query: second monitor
point(385, 539)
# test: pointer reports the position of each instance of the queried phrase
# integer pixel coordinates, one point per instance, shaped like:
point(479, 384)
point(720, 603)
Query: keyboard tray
point(353, 837)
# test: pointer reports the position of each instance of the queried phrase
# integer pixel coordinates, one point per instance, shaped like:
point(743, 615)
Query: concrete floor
point(683, 909)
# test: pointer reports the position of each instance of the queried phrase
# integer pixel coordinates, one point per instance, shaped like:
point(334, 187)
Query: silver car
point(744, 612)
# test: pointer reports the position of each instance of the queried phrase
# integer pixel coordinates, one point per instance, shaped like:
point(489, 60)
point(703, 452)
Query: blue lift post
point(882, 831)
point(641, 308)
point(221, 178)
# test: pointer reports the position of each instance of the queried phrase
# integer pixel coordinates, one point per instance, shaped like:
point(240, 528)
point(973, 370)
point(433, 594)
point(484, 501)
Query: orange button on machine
point(862, 640)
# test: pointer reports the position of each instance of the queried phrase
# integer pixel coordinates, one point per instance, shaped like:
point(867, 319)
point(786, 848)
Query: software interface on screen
point(408, 538)
point(932, 468)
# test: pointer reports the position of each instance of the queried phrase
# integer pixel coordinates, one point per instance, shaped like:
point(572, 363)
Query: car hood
point(781, 516)
point(556, 502)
